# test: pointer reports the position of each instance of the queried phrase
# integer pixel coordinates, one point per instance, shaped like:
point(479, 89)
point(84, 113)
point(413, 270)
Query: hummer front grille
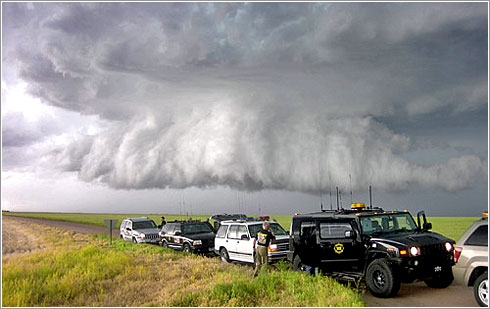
point(151, 236)
point(436, 249)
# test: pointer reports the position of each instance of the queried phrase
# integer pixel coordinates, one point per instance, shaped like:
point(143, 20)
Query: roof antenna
point(337, 198)
point(341, 205)
point(330, 189)
point(350, 181)
point(370, 198)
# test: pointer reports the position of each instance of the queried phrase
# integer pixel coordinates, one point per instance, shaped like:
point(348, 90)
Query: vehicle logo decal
point(338, 248)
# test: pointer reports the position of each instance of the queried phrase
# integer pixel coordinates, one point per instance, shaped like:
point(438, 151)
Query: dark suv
point(188, 236)
point(383, 247)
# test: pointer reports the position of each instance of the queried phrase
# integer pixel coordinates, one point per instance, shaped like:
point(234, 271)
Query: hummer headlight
point(448, 246)
point(197, 242)
point(141, 236)
point(414, 251)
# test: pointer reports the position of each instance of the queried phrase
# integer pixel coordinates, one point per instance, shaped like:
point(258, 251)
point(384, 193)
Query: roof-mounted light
point(358, 206)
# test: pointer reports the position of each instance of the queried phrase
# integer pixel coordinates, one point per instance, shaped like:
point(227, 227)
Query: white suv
point(234, 241)
point(139, 230)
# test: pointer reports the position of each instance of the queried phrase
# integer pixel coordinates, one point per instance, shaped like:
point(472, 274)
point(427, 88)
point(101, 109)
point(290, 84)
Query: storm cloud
point(252, 96)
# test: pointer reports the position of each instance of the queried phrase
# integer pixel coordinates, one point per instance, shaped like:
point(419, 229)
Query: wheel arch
point(374, 255)
point(476, 273)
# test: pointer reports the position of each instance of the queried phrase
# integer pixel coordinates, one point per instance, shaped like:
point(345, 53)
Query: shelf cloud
point(252, 96)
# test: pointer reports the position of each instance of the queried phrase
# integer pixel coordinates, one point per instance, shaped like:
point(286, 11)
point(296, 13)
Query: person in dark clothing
point(261, 242)
point(163, 223)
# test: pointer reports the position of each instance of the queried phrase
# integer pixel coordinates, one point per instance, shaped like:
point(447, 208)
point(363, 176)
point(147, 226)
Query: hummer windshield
point(196, 228)
point(387, 223)
point(276, 229)
point(144, 225)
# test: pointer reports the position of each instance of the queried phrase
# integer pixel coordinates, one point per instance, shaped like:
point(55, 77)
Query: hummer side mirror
point(128, 229)
point(349, 234)
point(423, 224)
point(244, 237)
point(178, 233)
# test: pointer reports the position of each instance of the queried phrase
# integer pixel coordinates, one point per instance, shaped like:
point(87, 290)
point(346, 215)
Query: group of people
point(261, 242)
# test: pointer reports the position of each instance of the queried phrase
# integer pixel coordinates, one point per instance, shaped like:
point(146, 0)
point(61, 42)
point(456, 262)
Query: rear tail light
point(457, 254)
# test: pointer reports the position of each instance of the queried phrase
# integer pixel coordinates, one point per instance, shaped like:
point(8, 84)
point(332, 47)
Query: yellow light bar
point(357, 205)
point(403, 252)
point(358, 214)
point(484, 214)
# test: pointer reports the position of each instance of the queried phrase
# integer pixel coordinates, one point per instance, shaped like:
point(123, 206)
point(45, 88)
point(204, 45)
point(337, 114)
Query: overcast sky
point(250, 107)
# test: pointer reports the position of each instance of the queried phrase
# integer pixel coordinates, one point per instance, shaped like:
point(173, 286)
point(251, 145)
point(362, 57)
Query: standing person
point(163, 223)
point(260, 244)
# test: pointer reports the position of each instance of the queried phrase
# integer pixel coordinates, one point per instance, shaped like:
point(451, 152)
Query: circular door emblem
point(338, 248)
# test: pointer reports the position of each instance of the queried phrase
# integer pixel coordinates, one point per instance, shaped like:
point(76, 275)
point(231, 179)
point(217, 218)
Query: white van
point(234, 241)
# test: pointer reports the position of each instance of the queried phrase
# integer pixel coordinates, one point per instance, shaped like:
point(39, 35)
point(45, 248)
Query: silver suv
point(471, 257)
point(139, 230)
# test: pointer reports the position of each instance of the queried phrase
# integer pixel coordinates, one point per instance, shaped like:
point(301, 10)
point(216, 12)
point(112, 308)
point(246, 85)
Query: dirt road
point(410, 295)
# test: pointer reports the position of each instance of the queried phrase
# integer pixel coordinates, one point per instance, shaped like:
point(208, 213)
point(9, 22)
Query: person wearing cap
point(163, 223)
point(260, 244)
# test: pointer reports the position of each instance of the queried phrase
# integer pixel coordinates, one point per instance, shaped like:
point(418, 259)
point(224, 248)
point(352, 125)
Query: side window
point(307, 229)
point(129, 224)
point(334, 229)
point(178, 228)
point(221, 231)
point(166, 228)
point(123, 225)
point(170, 229)
point(479, 237)
point(233, 231)
point(242, 230)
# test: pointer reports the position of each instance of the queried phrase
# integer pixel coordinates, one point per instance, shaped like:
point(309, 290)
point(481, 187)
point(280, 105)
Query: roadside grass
point(75, 270)
point(452, 227)
point(279, 288)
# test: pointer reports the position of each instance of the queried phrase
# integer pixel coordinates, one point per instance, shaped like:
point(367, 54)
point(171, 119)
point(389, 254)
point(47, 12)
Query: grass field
point(452, 227)
point(81, 270)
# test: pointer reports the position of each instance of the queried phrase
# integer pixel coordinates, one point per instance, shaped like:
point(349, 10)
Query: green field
point(452, 227)
point(82, 270)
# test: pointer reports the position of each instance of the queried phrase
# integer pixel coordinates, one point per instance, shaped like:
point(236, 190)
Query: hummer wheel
point(441, 280)
point(164, 244)
point(134, 240)
point(223, 254)
point(298, 264)
point(480, 290)
point(187, 248)
point(381, 279)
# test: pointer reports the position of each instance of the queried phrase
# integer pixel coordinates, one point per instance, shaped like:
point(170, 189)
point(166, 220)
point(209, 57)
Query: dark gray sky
point(212, 107)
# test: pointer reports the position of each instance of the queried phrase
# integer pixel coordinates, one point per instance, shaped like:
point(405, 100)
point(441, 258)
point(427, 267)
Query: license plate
point(437, 269)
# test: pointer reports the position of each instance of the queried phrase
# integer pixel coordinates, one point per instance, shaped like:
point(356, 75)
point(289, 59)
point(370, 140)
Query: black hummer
point(383, 247)
point(188, 236)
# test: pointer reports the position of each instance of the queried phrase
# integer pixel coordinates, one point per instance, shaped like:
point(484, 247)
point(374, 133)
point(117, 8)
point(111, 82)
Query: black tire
point(298, 264)
point(480, 290)
point(381, 279)
point(120, 236)
point(164, 243)
point(442, 280)
point(187, 248)
point(223, 255)
point(134, 240)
